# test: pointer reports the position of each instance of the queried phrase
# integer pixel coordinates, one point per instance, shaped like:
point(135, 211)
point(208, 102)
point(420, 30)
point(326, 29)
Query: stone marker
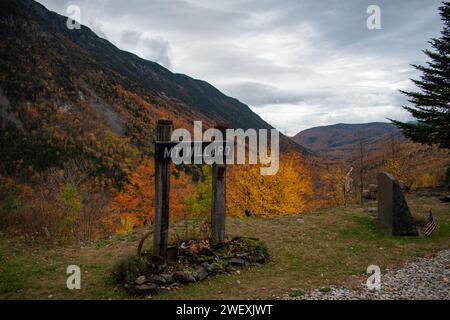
point(394, 216)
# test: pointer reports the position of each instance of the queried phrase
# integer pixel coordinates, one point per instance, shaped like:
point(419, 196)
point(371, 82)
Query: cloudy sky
point(297, 63)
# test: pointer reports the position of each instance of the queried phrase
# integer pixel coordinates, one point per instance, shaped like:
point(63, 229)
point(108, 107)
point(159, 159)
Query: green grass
point(296, 293)
point(332, 247)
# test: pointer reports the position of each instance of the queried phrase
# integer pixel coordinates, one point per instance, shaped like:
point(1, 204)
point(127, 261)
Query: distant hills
point(341, 141)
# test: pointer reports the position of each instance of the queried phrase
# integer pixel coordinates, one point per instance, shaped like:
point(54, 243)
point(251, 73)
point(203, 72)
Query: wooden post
point(162, 189)
point(219, 191)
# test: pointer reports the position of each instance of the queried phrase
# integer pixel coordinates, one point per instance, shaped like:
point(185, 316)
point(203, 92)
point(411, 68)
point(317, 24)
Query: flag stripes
point(431, 225)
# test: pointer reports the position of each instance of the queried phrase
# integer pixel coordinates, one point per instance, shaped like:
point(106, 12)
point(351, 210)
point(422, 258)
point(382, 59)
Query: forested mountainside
point(68, 94)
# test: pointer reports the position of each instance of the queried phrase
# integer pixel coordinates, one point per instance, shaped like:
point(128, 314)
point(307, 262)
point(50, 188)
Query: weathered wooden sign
point(190, 152)
point(193, 152)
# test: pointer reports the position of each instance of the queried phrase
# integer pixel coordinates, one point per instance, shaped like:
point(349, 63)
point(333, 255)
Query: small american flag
point(431, 225)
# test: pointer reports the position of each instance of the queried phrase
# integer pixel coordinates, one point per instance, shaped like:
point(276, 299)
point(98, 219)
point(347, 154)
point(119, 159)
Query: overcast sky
point(297, 63)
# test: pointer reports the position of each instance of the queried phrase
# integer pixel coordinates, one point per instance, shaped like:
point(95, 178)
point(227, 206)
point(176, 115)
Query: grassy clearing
point(332, 246)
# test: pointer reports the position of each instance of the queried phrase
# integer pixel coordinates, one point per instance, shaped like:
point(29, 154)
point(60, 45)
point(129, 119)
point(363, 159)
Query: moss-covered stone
point(191, 264)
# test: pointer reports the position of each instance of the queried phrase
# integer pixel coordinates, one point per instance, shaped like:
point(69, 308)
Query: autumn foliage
point(134, 206)
point(288, 192)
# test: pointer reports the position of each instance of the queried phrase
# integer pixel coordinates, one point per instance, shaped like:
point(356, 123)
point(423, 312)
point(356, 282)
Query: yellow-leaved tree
point(287, 192)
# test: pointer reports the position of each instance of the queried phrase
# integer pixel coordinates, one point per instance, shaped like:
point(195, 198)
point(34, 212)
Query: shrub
point(62, 207)
point(129, 268)
point(200, 202)
point(425, 181)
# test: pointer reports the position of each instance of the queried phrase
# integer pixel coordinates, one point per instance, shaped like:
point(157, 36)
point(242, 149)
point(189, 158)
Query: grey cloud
point(296, 63)
point(158, 50)
point(97, 28)
point(131, 37)
point(172, 15)
point(259, 94)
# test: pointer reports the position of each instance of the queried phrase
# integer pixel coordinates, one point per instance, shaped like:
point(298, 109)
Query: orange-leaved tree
point(134, 206)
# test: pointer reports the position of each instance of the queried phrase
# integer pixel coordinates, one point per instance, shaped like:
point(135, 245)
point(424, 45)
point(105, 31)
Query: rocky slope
point(68, 94)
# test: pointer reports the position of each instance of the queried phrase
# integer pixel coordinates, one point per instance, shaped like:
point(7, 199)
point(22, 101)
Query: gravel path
point(423, 279)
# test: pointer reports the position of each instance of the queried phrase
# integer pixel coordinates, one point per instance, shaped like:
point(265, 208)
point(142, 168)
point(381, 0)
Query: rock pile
point(148, 275)
point(371, 193)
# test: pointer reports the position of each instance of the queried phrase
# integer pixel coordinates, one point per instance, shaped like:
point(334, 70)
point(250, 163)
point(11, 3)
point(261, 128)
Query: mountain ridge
point(341, 141)
point(143, 71)
point(69, 94)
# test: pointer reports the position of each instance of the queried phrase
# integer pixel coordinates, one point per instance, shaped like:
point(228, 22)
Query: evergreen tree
point(431, 106)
